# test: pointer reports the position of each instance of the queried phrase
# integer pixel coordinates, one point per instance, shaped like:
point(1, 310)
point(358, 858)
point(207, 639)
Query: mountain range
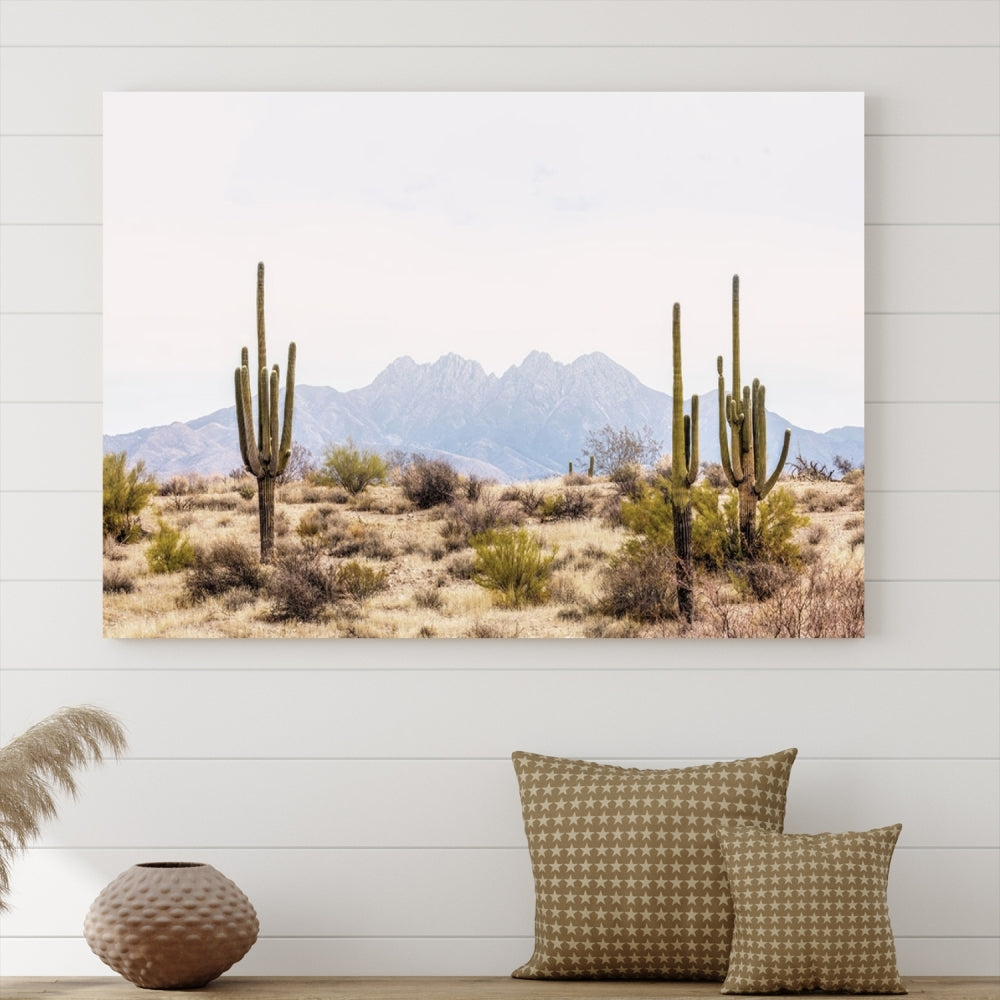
point(527, 423)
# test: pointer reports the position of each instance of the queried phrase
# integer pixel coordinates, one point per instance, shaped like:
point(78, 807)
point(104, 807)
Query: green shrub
point(715, 526)
point(640, 583)
point(777, 521)
point(428, 482)
point(226, 565)
point(169, 551)
point(359, 583)
point(650, 514)
point(510, 562)
point(126, 493)
point(352, 468)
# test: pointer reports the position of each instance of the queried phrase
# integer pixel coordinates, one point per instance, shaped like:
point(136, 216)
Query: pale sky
point(488, 224)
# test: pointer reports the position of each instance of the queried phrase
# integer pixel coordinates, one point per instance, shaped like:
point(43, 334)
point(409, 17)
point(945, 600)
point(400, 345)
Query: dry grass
point(425, 555)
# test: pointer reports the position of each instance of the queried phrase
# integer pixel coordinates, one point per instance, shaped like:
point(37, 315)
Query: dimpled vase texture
point(171, 925)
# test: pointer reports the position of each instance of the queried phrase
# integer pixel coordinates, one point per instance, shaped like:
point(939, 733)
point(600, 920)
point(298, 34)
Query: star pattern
point(629, 877)
point(811, 911)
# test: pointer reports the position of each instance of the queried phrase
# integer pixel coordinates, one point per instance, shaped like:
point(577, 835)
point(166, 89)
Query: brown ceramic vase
point(171, 925)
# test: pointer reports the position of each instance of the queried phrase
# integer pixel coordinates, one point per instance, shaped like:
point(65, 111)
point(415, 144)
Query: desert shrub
point(575, 479)
point(493, 630)
point(226, 565)
point(463, 520)
point(762, 579)
point(351, 468)
point(629, 480)
point(529, 498)
point(816, 534)
point(563, 589)
point(613, 448)
point(777, 521)
point(358, 582)
point(715, 527)
point(314, 526)
point(828, 602)
point(510, 562)
point(857, 538)
point(649, 513)
point(169, 551)
point(573, 505)
point(715, 475)
point(715, 532)
point(113, 551)
point(428, 482)
point(301, 465)
point(461, 566)
point(611, 511)
point(640, 583)
point(426, 632)
point(246, 490)
point(357, 539)
point(429, 598)
point(117, 581)
point(300, 586)
point(474, 487)
point(126, 493)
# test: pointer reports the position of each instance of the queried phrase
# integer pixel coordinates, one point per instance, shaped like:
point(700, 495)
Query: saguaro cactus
point(265, 454)
point(683, 472)
point(745, 459)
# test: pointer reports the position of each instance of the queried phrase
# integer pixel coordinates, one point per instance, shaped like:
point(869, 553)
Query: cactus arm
point(264, 417)
point(677, 424)
point(244, 420)
point(736, 334)
point(272, 430)
point(285, 449)
point(767, 487)
point(759, 433)
point(692, 436)
point(725, 407)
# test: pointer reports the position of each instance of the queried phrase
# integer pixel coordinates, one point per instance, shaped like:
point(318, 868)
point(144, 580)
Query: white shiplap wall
point(361, 794)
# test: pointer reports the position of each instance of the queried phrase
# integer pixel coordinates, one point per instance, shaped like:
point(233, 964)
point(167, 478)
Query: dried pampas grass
point(38, 762)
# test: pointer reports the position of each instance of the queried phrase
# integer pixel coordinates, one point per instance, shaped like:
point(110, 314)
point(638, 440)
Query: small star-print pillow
point(629, 878)
point(811, 911)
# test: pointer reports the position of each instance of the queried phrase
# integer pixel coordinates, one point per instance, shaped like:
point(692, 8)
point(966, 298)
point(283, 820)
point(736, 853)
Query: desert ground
point(411, 573)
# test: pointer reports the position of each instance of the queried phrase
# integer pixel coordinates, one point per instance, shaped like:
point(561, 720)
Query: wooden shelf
point(441, 988)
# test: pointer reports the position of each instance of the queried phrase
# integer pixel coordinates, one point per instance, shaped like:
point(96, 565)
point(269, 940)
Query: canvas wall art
point(483, 365)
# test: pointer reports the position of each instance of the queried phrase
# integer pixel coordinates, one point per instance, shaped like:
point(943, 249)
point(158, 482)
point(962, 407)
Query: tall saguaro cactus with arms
point(744, 447)
point(265, 451)
point(683, 472)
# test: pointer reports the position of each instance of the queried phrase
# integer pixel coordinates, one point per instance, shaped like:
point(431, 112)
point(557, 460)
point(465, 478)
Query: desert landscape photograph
point(483, 366)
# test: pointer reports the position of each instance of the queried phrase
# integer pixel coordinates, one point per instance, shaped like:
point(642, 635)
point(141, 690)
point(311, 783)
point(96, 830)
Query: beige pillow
point(811, 911)
point(629, 880)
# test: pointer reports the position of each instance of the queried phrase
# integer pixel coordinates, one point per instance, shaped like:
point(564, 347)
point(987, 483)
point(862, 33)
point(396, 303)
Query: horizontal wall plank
point(900, 529)
point(444, 892)
point(932, 269)
point(495, 22)
point(932, 358)
point(924, 91)
point(50, 446)
point(900, 436)
point(421, 956)
point(897, 542)
point(908, 269)
point(50, 269)
point(908, 625)
point(50, 358)
point(474, 803)
point(453, 713)
point(897, 440)
point(908, 179)
point(50, 179)
point(936, 179)
point(965, 352)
